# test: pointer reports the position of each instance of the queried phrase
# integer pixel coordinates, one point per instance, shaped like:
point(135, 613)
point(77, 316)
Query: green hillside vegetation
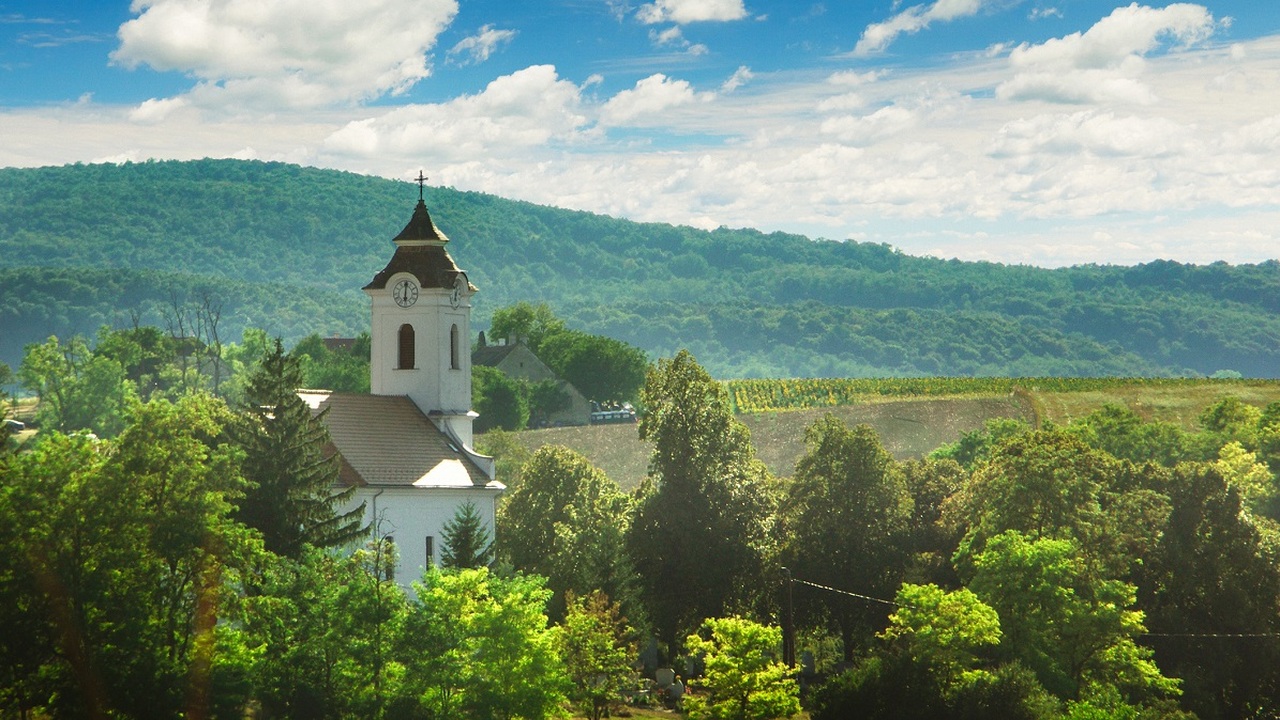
point(287, 248)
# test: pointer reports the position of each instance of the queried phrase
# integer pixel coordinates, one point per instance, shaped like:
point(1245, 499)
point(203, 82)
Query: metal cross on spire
point(422, 179)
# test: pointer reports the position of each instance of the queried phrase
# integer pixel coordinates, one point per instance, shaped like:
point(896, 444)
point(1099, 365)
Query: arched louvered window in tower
point(406, 347)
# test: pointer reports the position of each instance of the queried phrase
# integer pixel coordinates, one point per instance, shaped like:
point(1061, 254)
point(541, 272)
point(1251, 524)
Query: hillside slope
point(911, 428)
point(288, 248)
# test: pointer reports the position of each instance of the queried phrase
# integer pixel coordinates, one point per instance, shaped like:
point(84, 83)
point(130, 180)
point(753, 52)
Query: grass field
point(914, 427)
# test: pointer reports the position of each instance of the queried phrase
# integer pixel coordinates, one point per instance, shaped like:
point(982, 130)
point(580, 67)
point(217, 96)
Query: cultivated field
point(914, 427)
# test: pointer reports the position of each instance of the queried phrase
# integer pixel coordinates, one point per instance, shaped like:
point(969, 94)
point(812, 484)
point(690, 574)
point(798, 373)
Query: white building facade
point(407, 446)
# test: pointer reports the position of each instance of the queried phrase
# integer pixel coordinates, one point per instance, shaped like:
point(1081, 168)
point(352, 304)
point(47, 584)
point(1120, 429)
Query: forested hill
point(287, 248)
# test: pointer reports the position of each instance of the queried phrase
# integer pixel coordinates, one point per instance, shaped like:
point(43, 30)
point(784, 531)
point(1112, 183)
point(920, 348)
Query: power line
point(1146, 634)
point(850, 594)
point(1212, 635)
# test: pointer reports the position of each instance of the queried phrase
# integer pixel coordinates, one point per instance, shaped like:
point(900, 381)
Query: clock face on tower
point(455, 297)
point(405, 293)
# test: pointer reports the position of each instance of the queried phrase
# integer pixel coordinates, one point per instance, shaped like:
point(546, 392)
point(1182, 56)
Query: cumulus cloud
point(1090, 133)
point(683, 12)
point(863, 130)
point(478, 47)
point(1104, 63)
point(649, 98)
point(301, 53)
point(878, 36)
point(526, 109)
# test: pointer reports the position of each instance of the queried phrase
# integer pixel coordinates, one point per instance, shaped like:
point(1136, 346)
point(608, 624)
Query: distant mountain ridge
point(287, 248)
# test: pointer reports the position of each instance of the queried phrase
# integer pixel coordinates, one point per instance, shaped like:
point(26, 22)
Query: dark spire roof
point(420, 226)
point(420, 251)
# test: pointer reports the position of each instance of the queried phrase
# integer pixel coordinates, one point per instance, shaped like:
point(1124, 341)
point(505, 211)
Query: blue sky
point(1049, 132)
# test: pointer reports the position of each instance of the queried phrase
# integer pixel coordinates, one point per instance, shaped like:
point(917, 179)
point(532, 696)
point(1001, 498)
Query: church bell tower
point(421, 333)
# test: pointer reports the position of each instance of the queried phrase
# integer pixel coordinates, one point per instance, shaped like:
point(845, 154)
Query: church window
point(454, 349)
point(431, 550)
point(406, 347)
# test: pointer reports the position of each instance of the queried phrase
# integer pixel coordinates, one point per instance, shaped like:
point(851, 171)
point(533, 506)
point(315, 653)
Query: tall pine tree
point(291, 499)
point(467, 543)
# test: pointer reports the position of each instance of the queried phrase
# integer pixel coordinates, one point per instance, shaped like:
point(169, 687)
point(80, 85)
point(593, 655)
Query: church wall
point(410, 515)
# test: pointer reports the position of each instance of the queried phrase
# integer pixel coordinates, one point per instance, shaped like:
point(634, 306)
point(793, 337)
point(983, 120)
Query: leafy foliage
point(567, 521)
point(78, 390)
point(478, 646)
point(502, 402)
point(118, 551)
point(744, 679)
point(703, 519)
point(846, 473)
point(598, 647)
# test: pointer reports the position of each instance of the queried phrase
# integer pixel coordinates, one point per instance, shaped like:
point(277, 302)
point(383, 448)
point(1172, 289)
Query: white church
point(407, 446)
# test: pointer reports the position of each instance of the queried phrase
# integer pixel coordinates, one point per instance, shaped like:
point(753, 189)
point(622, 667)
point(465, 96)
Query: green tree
point(704, 516)
point(478, 646)
point(121, 553)
point(976, 445)
point(242, 360)
point(1073, 630)
point(1049, 484)
point(501, 401)
point(1120, 432)
point(744, 678)
point(946, 631)
point(546, 397)
point(77, 389)
point(600, 368)
point(324, 628)
point(508, 452)
point(1212, 574)
point(1252, 479)
point(567, 521)
point(467, 542)
point(144, 352)
point(341, 370)
point(6, 377)
point(291, 498)
point(848, 512)
point(598, 647)
point(933, 540)
point(525, 321)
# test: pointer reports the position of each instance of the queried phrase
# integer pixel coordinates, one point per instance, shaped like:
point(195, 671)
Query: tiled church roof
point(386, 441)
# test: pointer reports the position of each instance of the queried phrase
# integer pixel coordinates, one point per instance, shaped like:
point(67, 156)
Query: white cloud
point(864, 130)
point(740, 76)
point(300, 53)
point(683, 12)
point(1092, 134)
point(648, 99)
point(156, 110)
point(670, 36)
point(1045, 12)
point(480, 46)
point(878, 36)
point(527, 109)
point(1104, 64)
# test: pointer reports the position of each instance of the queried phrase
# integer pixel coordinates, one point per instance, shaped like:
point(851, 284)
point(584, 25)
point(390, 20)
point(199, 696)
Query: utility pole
point(788, 624)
